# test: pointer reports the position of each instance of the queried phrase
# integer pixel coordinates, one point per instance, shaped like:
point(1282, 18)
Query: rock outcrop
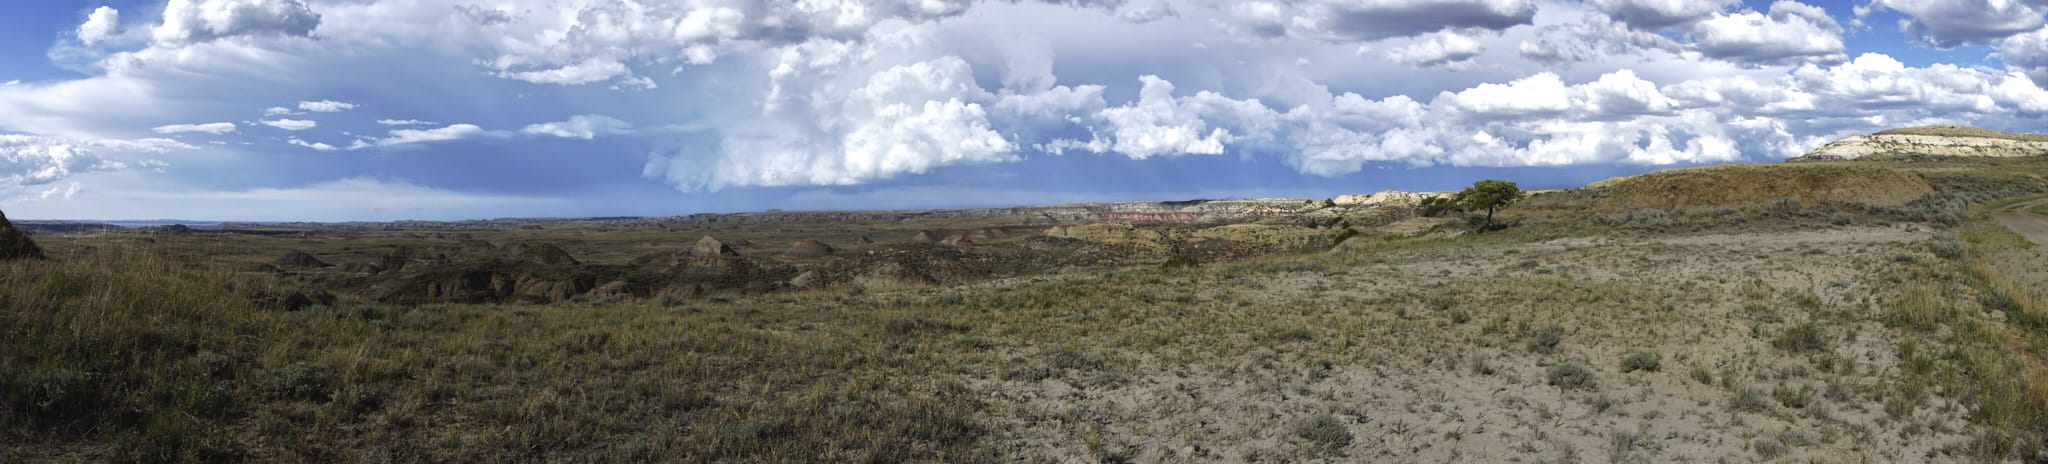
point(1386, 198)
point(1933, 141)
point(485, 283)
point(809, 249)
point(709, 246)
point(15, 244)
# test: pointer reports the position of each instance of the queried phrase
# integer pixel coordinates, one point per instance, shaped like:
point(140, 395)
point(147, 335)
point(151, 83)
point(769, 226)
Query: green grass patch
point(1642, 361)
point(1987, 234)
point(1803, 337)
point(1570, 376)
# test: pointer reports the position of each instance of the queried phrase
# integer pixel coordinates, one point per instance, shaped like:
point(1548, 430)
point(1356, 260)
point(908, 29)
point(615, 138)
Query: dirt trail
point(2026, 223)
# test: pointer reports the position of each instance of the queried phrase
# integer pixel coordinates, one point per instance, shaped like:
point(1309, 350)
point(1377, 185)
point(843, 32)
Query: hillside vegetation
point(1830, 312)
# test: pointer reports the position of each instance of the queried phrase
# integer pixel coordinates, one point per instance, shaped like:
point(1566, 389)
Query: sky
point(347, 110)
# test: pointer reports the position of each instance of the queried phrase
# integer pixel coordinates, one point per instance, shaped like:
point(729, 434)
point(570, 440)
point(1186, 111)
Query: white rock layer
point(1858, 146)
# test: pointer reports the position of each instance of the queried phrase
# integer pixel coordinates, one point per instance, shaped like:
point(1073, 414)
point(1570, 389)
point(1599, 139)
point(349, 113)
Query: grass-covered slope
point(15, 244)
point(1743, 327)
point(127, 355)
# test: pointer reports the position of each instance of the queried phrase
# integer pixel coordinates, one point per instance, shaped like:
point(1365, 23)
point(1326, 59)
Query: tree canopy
point(1490, 195)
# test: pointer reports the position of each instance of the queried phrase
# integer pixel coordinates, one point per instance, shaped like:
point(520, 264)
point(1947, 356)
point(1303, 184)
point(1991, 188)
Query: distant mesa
point(1960, 141)
point(709, 246)
point(15, 244)
point(810, 249)
point(1389, 198)
point(299, 259)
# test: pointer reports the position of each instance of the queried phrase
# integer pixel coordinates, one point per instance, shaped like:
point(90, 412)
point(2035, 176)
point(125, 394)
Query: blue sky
point(335, 110)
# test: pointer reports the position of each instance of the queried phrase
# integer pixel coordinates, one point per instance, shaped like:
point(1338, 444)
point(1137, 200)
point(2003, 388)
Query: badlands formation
point(1934, 141)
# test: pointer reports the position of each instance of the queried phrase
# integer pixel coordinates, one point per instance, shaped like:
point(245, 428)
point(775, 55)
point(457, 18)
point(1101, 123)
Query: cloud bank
point(719, 95)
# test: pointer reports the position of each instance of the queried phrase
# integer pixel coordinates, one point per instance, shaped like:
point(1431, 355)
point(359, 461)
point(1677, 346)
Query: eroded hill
point(1952, 141)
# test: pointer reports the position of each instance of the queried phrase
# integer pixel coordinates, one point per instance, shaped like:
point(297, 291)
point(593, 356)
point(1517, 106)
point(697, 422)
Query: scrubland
point(1883, 311)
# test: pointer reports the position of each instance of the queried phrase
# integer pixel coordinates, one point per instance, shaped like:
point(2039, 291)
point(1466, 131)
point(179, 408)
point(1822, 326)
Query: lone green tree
point(1490, 195)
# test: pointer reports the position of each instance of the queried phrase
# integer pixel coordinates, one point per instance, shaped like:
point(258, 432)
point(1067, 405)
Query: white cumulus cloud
point(1951, 23)
point(840, 112)
point(2028, 53)
point(441, 134)
point(215, 128)
point(1159, 124)
point(37, 159)
point(61, 192)
point(588, 71)
point(582, 126)
point(736, 94)
point(1373, 20)
point(290, 124)
point(325, 106)
point(104, 22)
point(1542, 93)
point(1447, 49)
point(190, 21)
point(1792, 32)
point(1659, 14)
point(321, 146)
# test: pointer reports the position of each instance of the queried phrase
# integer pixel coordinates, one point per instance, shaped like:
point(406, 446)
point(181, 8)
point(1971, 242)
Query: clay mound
point(809, 248)
point(709, 246)
point(960, 239)
point(928, 236)
point(15, 244)
point(299, 259)
point(1758, 185)
point(544, 253)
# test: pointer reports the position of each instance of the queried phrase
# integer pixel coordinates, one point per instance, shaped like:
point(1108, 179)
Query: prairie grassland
point(133, 356)
point(1793, 331)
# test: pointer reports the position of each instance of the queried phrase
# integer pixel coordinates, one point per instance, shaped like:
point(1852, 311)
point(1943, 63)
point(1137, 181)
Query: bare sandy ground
point(1433, 355)
point(2032, 226)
